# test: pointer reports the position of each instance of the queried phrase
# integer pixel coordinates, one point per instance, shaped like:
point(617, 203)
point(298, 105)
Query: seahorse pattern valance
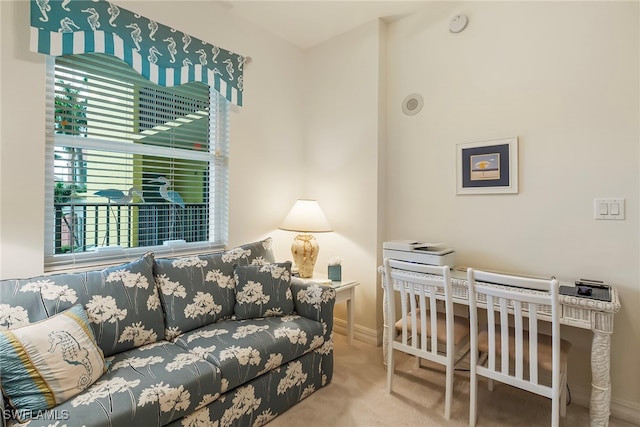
point(161, 54)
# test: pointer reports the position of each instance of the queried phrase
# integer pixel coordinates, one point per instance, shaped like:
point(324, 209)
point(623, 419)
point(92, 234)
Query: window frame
point(218, 161)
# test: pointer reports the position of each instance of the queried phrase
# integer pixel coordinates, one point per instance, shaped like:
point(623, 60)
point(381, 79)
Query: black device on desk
point(586, 288)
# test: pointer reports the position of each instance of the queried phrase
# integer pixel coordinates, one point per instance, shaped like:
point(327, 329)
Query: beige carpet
point(357, 397)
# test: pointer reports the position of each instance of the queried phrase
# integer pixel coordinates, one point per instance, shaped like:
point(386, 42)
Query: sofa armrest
point(314, 301)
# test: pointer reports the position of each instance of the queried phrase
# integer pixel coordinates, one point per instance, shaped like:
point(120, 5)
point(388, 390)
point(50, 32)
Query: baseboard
point(360, 333)
point(622, 409)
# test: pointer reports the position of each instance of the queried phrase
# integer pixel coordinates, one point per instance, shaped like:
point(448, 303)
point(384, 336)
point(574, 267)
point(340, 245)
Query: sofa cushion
point(147, 386)
point(122, 302)
point(263, 290)
point(48, 362)
point(200, 290)
point(245, 349)
point(261, 400)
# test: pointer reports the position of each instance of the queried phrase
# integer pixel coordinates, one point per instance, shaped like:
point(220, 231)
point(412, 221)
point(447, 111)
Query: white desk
point(579, 312)
point(345, 291)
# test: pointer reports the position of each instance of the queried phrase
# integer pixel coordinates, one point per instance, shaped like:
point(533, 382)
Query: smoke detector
point(458, 23)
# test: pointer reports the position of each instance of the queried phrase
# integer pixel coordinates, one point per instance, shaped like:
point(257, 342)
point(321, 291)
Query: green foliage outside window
point(63, 193)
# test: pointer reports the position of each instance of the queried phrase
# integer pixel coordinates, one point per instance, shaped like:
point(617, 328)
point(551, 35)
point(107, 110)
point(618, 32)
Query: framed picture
point(487, 167)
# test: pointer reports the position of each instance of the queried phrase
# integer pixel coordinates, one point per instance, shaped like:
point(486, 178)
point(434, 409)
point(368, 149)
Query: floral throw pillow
point(263, 290)
point(122, 303)
point(198, 290)
point(255, 253)
point(48, 362)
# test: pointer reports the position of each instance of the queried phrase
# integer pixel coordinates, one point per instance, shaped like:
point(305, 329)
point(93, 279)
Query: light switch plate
point(608, 209)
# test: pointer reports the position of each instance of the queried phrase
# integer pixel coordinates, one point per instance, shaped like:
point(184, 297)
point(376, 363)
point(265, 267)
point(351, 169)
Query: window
point(131, 166)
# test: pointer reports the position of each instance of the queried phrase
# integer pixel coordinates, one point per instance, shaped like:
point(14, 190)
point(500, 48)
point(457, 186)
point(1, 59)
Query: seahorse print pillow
point(48, 362)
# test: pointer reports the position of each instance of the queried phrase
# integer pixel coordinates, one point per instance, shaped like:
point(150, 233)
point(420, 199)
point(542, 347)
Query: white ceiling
point(305, 23)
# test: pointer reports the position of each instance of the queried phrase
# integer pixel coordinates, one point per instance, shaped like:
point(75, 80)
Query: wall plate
point(608, 209)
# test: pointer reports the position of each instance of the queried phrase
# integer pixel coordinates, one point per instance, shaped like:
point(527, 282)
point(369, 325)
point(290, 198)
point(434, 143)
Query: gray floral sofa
point(219, 339)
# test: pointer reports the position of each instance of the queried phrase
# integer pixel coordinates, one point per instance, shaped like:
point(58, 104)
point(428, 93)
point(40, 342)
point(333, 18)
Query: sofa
point(217, 339)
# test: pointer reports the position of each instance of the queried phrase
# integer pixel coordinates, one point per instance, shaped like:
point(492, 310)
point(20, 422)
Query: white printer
point(419, 252)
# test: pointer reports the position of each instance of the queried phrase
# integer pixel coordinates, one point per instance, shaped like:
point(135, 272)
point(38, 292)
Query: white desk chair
point(418, 294)
point(519, 297)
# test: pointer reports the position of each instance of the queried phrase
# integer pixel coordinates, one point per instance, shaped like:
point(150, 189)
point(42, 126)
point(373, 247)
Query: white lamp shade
point(306, 216)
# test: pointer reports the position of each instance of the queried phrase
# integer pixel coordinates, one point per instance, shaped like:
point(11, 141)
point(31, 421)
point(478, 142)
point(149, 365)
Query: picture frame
point(487, 167)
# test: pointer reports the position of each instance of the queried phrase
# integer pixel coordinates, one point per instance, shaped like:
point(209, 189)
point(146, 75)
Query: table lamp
point(305, 217)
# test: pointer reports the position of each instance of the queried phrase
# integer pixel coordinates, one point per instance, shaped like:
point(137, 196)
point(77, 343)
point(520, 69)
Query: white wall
point(267, 133)
point(564, 78)
point(21, 146)
point(342, 139)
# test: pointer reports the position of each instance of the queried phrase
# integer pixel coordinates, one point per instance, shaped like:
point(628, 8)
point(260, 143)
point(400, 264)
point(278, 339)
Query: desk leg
point(385, 325)
point(600, 379)
point(350, 316)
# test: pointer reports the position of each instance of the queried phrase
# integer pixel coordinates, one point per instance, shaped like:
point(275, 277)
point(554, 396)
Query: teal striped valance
point(161, 54)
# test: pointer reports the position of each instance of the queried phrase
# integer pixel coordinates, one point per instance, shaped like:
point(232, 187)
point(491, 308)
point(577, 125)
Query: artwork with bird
point(118, 196)
point(170, 196)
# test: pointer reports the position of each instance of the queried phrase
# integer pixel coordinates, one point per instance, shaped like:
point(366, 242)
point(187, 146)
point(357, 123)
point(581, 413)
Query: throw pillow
point(48, 362)
point(199, 290)
point(255, 253)
point(194, 291)
point(263, 290)
point(122, 303)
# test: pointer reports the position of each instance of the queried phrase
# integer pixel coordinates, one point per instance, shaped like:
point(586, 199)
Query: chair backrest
point(522, 297)
point(418, 287)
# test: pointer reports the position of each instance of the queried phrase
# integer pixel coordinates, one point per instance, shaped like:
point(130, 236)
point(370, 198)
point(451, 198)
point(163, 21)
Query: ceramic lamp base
point(304, 250)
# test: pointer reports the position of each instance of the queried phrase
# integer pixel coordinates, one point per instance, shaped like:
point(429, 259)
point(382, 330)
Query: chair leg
point(563, 395)
point(390, 367)
point(417, 363)
point(563, 403)
point(448, 391)
point(555, 412)
point(558, 398)
point(473, 391)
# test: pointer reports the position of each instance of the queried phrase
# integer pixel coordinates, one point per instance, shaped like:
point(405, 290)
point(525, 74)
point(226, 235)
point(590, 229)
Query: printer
point(418, 252)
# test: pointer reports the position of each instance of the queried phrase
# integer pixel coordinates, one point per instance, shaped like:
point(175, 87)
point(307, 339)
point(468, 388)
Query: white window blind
point(131, 166)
